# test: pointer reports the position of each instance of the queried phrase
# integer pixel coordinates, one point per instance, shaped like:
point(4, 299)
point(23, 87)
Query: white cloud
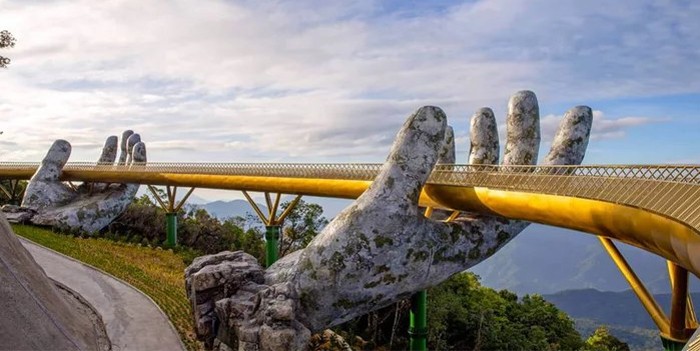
point(319, 80)
point(603, 127)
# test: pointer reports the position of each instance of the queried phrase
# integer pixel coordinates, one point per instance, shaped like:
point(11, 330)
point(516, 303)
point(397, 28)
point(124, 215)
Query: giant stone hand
point(88, 207)
point(381, 248)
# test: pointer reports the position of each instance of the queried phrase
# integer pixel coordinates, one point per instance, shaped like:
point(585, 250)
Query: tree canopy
point(6, 41)
point(301, 226)
point(602, 340)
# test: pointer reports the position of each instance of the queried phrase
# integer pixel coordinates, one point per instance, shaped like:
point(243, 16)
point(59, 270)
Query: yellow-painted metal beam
point(5, 191)
point(268, 202)
point(287, 210)
point(173, 200)
point(263, 218)
point(679, 302)
point(452, 216)
point(157, 196)
point(647, 300)
point(691, 320)
point(273, 210)
point(18, 173)
point(184, 199)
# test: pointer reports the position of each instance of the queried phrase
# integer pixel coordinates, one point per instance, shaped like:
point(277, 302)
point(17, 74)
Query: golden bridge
point(653, 207)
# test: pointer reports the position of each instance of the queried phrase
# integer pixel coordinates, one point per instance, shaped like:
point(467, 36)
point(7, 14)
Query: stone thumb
point(413, 155)
point(52, 164)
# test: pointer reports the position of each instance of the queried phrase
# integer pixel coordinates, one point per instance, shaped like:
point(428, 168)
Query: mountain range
point(621, 311)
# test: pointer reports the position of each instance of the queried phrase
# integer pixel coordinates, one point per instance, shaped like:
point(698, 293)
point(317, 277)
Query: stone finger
point(571, 140)
point(123, 155)
point(109, 151)
point(138, 153)
point(133, 140)
point(447, 154)
point(522, 129)
point(484, 146)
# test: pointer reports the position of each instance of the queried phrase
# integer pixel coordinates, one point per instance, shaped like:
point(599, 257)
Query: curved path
point(133, 321)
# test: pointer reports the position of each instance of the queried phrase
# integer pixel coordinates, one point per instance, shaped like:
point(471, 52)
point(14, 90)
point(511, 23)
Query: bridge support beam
point(418, 323)
point(647, 300)
point(13, 192)
point(673, 332)
point(273, 223)
point(272, 236)
point(171, 229)
point(683, 322)
point(171, 207)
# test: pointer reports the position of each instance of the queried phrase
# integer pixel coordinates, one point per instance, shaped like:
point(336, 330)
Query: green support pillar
point(272, 236)
point(672, 345)
point(418, 329)
point(171, 229)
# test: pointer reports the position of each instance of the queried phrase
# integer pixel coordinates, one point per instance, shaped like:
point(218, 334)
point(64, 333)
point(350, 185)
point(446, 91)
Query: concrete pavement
point(132, 320)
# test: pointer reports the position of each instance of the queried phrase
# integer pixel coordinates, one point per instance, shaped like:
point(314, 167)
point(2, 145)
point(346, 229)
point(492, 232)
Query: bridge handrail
point(443, 174)
point(670, 190)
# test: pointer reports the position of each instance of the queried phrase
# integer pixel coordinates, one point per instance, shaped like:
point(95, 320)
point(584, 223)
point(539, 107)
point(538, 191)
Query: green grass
point(158, 273)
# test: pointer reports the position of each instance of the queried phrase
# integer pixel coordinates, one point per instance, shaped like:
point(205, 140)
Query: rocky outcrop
point(234, 310)
point(18, 214)
point(381, 248)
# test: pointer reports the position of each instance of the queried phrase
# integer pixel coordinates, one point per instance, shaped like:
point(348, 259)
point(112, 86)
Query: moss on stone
point(380, 241)
point(345, 303)
point(502, 237)
point(474, 253)
point(371, 285)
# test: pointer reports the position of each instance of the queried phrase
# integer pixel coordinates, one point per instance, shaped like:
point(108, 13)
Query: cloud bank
point(321, 80)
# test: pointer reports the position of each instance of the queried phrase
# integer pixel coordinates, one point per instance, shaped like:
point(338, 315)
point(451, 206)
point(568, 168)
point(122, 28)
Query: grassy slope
point(156, 272)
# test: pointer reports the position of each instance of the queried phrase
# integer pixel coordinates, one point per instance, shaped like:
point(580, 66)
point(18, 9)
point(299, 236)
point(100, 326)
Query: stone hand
point(88, 207)
point(381, 248)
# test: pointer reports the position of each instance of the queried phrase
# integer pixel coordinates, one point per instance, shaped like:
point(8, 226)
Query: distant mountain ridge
point(547, 260)
point(233, 208)
point(615, 308)
point(622, 311)
point(225, 209)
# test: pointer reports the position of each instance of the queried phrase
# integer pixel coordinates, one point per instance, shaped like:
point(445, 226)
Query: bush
point(143, 222)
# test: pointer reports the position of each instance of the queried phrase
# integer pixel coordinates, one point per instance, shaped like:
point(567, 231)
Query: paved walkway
point(132, 320)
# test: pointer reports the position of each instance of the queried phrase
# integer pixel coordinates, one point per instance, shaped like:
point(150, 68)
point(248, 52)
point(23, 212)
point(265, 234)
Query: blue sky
point(329, 81)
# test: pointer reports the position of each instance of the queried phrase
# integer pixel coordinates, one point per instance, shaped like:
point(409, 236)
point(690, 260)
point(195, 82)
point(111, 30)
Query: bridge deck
point(654, 207)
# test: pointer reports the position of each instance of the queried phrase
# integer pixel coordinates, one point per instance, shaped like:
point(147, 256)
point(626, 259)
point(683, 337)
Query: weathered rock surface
point(18, 214)
point(88, 208)
point(381, 248)
point(572, 137)
point(483, 132)
point(522, 129)
point(35, 314)
point(235, 310)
